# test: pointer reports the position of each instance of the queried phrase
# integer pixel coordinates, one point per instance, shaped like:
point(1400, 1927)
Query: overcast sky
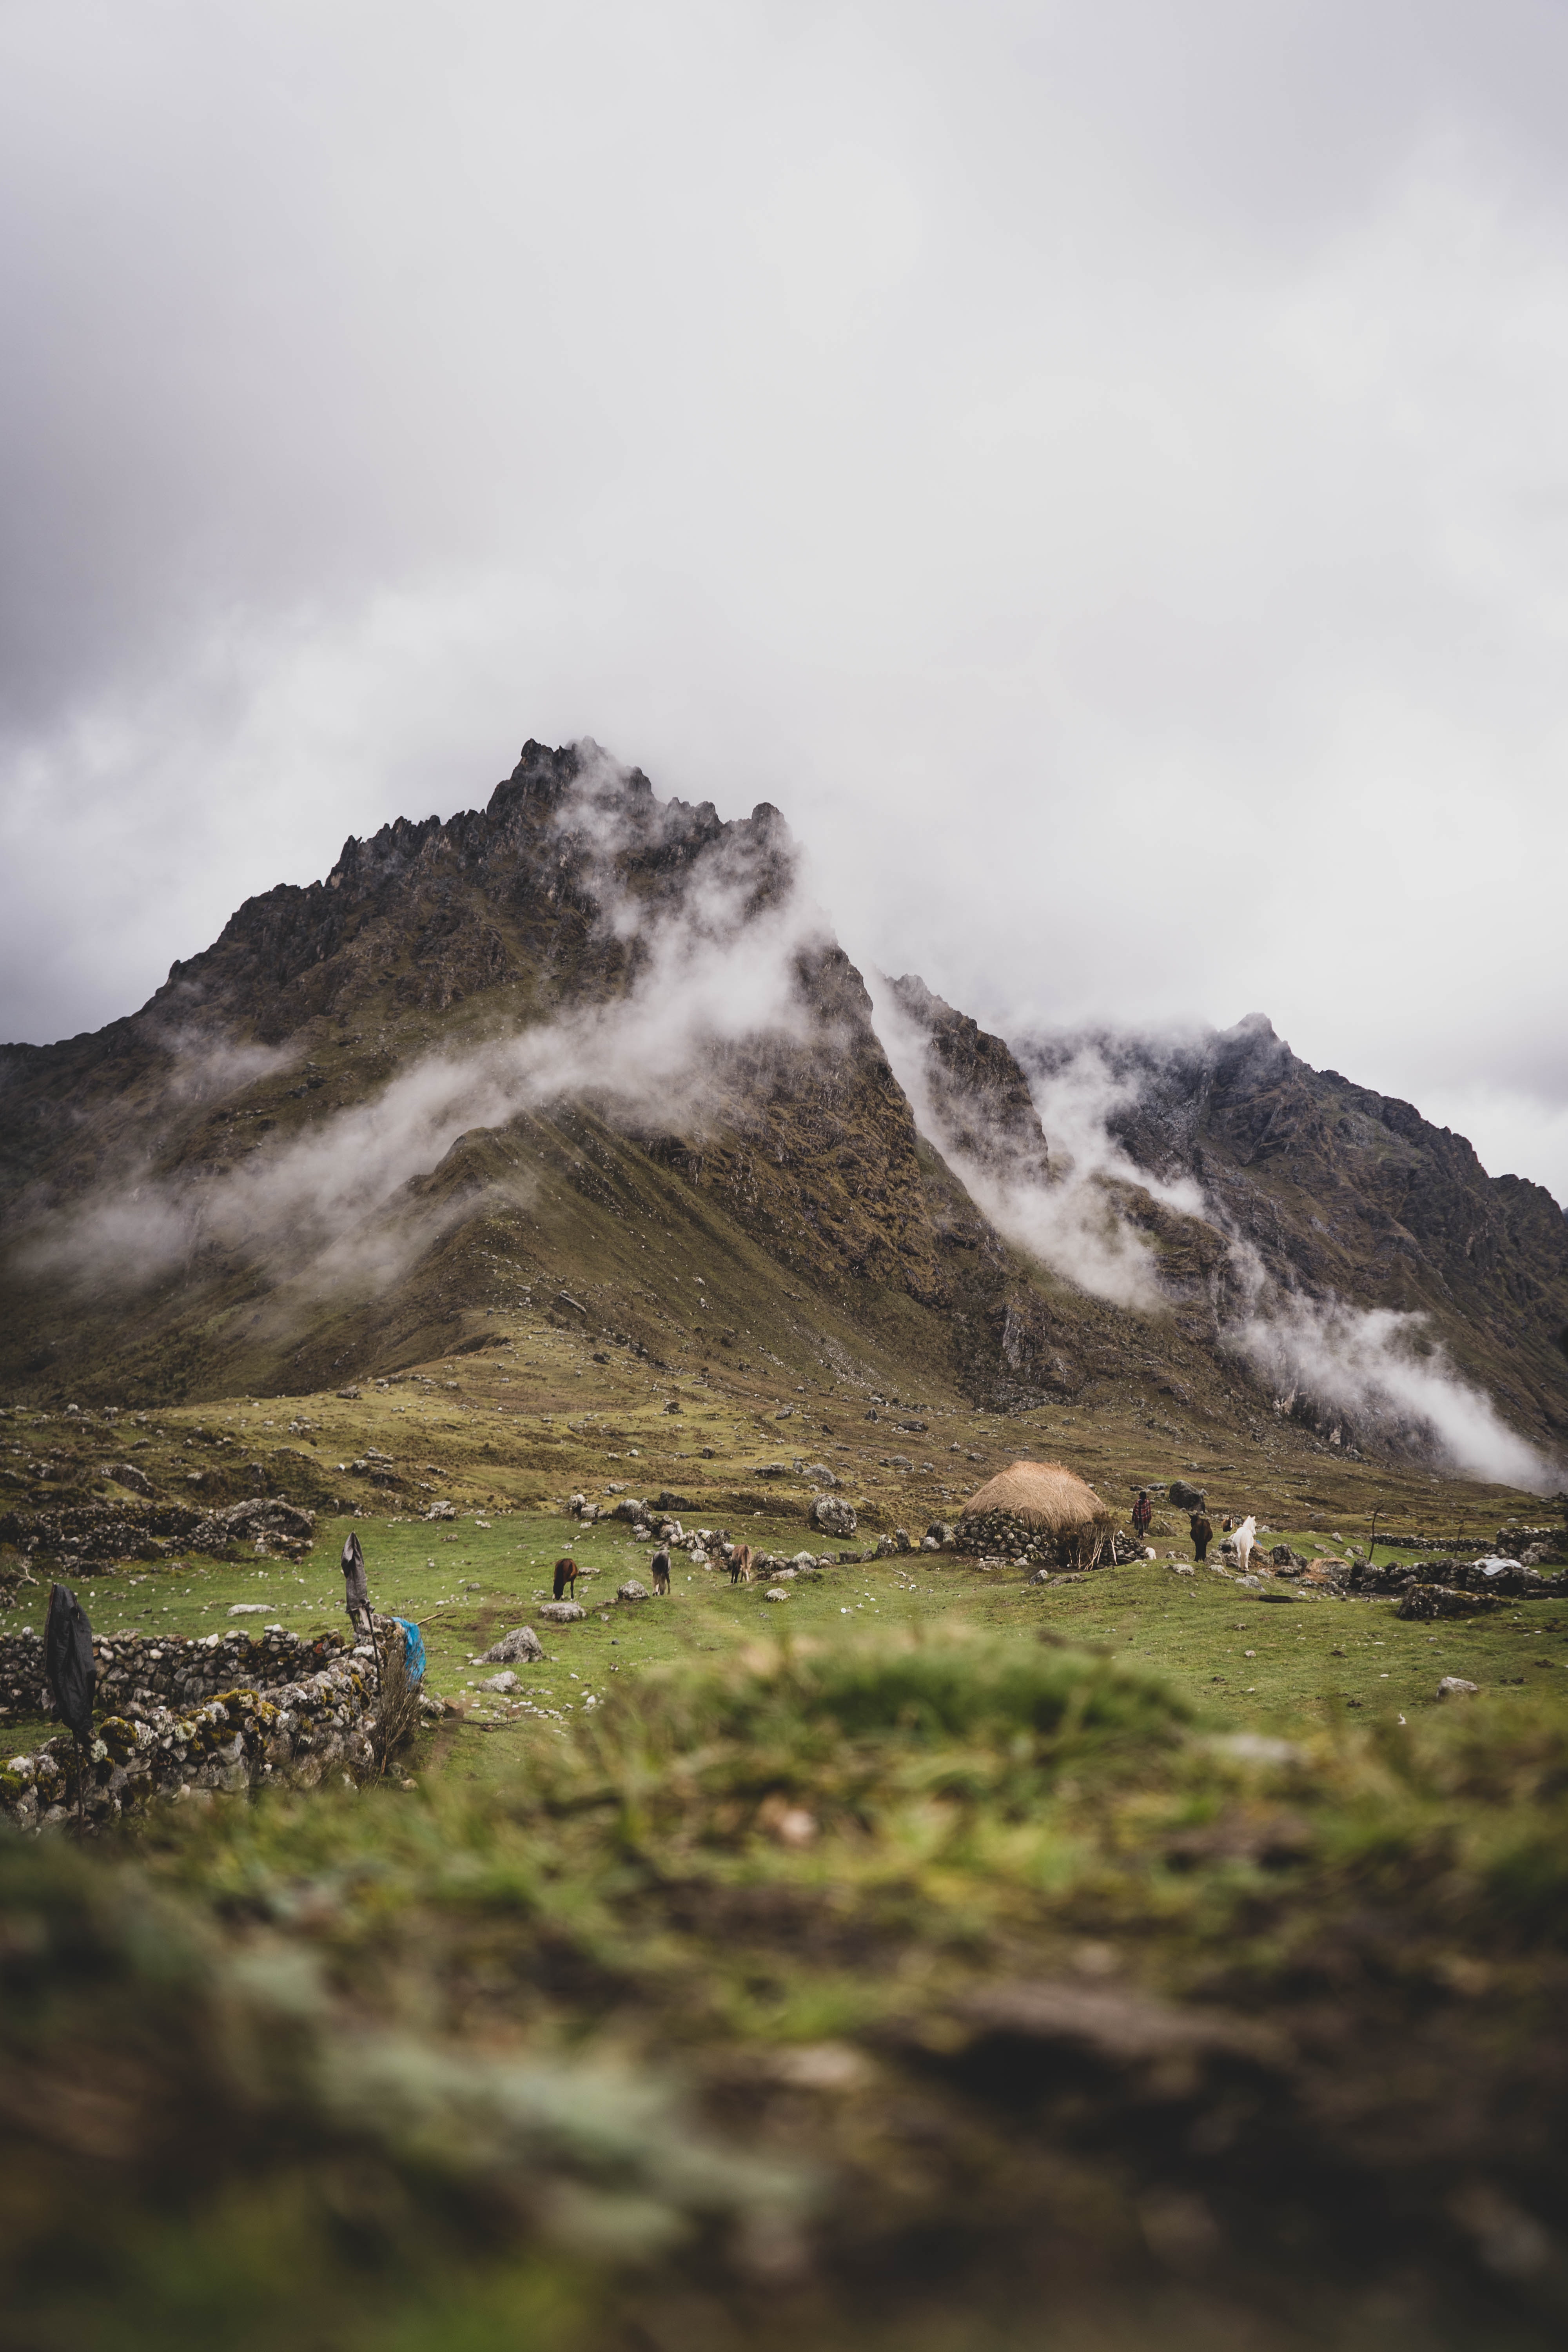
point(1103, 469)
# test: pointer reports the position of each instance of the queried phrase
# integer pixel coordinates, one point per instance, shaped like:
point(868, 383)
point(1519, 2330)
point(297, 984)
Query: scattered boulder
point(631, 1590)
point(442, 1511)
point(250, 1609)
point(501, 1683)
point(820, 1475)
point(831, 1515)
point(1455, 1686)
point(775, 1592)
point(126, 1474)
point(562, 1612)
point(521, 1643)
point(1184, 1497)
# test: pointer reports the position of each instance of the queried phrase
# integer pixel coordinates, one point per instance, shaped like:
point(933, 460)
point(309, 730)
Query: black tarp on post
point(68, 1661)
point(356, 1594)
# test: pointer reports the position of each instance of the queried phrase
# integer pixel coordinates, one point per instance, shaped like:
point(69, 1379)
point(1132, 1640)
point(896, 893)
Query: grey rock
point(1455, 1686)
point(562, 1612)
point(521, 1643)
point(500, 1683)
point(831, 1515)
point(631, 1590)
point(775, 1592)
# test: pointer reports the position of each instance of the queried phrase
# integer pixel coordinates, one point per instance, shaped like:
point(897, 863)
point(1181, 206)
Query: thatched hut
point(1038, 1511)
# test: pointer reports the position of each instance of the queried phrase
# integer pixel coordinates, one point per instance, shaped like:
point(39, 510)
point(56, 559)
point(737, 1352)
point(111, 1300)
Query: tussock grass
point(822, 1990)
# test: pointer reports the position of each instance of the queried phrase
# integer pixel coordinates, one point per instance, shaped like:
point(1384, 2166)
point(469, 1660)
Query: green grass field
point(1254, 1663)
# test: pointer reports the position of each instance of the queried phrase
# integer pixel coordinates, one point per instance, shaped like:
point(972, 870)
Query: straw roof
point(1042, 1494)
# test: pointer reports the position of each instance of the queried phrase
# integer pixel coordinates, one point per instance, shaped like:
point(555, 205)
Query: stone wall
point(294, 1733)
point(88, 1535)
point(170, 1670)
point(1007, 1535)
point(1514, 1582)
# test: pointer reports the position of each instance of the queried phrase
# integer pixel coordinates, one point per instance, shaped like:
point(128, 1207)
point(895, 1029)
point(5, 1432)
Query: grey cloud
point(1102, 471)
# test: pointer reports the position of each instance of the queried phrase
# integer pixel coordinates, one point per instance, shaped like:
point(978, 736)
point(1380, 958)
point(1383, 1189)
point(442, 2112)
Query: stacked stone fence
point(1509, 1541)
point(1514, 1581)
point(168, 1670)
point(294, 1734)
point(89, 1535)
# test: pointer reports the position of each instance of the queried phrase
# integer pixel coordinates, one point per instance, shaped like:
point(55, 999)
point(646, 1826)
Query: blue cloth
point(413, 1649)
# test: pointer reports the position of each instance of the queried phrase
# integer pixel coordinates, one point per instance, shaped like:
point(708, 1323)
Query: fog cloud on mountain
point(339, 1203)
point(1100, 471)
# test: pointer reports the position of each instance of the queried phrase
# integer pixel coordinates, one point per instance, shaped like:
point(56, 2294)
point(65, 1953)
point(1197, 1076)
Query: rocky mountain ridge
point(1345, 1194)
point(585, 1038)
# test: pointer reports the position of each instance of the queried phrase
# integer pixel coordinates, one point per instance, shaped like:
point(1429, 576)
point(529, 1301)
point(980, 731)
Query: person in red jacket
point(1143, 1515)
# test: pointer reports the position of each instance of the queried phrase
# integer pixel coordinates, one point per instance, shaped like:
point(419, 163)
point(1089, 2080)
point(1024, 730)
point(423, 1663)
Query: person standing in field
point(1200, 1526)
point(1143, 1515)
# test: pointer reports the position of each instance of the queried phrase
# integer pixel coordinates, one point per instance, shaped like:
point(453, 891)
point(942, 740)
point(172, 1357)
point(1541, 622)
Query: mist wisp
point(1069, 1219)
point(335, 1198)
point(1377, 1369)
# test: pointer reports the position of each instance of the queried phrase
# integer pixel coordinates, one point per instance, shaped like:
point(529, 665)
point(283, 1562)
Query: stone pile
point(1422, 1603)
point(294, 1733)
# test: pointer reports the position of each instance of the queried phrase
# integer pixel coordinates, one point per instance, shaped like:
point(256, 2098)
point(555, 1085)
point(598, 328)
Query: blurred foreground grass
point(964, 1990)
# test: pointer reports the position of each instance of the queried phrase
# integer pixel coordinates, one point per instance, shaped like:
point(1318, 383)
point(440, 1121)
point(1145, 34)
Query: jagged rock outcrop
point(978, 1095)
